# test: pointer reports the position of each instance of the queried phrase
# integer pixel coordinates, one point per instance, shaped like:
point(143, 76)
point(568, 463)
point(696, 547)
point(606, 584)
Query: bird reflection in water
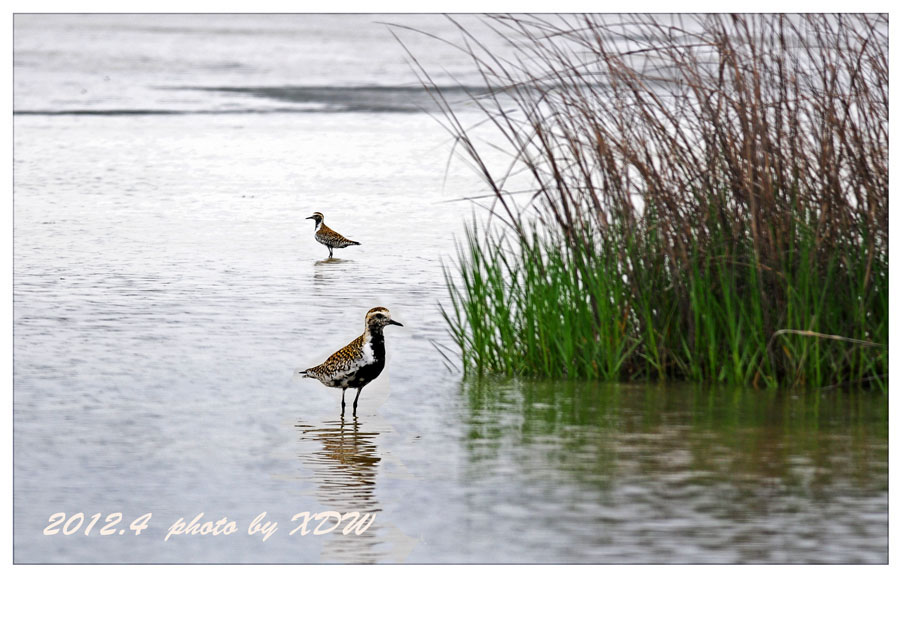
point(329, 274)
point(345, 468)
point(331, 261)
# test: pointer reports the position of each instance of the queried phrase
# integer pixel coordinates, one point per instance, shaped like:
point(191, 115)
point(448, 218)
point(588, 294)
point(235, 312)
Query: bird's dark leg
point(359, 390)
point(329, 251)
point(343, 406)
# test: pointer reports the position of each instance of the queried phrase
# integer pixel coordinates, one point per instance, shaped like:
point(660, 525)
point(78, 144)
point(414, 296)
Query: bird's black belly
point(366, 374)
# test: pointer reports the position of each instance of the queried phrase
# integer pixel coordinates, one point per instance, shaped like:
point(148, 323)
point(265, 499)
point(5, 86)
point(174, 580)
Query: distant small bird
point(327, 237)
point(358, 363)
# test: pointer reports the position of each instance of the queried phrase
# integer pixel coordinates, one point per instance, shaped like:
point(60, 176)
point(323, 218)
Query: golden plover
point(327, 237)
point(358, 363)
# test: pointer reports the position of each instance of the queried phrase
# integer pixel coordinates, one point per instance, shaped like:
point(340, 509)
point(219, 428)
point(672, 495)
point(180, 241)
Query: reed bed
point(694, 197)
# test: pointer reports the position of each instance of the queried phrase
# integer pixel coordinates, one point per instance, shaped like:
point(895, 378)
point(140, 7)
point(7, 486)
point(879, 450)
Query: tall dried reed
point(706, 198)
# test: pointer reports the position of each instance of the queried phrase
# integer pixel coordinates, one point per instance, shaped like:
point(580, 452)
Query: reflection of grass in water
point(596, 432)
point(548, 420)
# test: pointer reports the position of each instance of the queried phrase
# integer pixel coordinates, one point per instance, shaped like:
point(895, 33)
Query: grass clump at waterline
point(702, 198)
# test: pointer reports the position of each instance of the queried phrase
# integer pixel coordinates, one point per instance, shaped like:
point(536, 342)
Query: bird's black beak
point(310, 218)
point(396, 323)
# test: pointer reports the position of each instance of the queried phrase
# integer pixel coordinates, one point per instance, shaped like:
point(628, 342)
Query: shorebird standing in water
point(358, 363)
point(327, 237)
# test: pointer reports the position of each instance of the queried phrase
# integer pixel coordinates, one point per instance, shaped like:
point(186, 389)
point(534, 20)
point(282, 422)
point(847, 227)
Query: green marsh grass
point(689, 197)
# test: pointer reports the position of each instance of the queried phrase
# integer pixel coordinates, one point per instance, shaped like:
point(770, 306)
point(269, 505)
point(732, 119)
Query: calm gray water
point(167, 287)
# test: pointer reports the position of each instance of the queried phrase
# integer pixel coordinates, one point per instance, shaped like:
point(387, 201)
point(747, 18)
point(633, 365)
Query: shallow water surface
point(167, 287)
point(677, 473)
